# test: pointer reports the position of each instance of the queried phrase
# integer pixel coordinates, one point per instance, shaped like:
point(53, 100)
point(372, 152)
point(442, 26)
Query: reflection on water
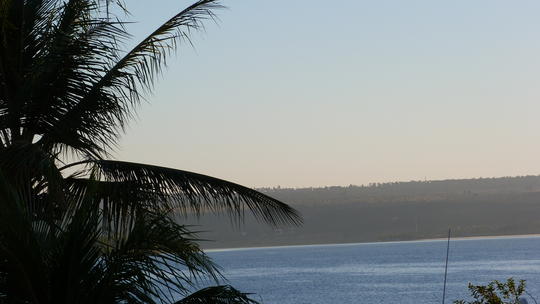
point(399, 272)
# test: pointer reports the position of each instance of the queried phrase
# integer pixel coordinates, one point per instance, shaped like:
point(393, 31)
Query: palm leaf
point(70, 258)
point(22, 258)
point(73, 57)
point(104, 108)
point(158, 258)
point(127, 186)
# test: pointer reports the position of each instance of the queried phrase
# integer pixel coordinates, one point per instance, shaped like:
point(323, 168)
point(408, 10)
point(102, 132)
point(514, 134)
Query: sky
point(319, 93)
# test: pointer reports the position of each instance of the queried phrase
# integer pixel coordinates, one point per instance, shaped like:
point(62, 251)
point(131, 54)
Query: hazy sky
point(313, 93)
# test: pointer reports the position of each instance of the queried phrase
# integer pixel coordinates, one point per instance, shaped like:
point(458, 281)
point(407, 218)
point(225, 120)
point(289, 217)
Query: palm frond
point(75, 256)
point(73, 57)
point(22, 260)
point(218, 295)
point(128, 186)
point(160, 257)
point(33, 172)
point(101, 113)
point(71, 258)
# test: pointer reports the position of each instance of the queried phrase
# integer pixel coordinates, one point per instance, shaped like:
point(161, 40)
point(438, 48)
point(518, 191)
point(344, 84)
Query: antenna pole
point(446, 266)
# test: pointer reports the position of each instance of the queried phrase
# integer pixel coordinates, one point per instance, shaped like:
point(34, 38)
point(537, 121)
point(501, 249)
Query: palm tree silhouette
point(97, 230)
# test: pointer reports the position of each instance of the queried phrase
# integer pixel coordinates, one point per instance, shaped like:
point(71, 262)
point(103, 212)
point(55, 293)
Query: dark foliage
point(496, 292)
point(98, 230)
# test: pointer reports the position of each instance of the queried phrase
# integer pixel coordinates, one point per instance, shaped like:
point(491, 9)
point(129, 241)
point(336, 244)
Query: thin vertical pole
point(446, 266)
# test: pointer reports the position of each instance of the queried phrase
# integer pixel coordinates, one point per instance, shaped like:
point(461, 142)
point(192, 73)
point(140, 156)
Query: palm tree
point(97, 230)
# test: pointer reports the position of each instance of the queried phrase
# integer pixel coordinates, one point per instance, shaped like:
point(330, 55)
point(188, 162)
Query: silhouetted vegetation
point(496, 292)
point(98, 230)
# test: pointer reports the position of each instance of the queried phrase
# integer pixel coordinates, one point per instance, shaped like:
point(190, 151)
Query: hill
point(392, 212)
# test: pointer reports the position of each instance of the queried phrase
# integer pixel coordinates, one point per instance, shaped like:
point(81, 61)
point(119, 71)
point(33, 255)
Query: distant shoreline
point(461, 238)
point(410, 211)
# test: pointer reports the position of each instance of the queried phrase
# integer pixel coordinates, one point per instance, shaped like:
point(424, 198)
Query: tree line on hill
point(392, 212)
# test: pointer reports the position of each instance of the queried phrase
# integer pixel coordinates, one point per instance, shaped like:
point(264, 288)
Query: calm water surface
point(400, 272)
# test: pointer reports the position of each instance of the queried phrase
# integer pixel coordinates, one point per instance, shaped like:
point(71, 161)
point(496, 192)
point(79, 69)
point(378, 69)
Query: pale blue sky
point(313, 93)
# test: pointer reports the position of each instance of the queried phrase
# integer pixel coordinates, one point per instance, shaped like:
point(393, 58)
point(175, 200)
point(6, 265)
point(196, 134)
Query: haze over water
point(396, 272)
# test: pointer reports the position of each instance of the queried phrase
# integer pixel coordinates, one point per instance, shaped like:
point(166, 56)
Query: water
point(399, 272)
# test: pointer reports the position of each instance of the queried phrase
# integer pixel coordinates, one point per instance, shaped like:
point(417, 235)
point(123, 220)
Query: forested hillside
point(392, 211)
